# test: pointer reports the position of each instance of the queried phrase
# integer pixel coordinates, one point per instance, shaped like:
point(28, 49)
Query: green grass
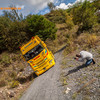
point(74, 95)
point(14, 84)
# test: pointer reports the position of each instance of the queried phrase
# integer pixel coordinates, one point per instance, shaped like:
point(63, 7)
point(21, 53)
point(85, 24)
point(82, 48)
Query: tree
point(84, 15)
point(51, 6)
point(38, 25)
point(12, 31)
point(4, 23)
point(13, 15)
point(57, 16)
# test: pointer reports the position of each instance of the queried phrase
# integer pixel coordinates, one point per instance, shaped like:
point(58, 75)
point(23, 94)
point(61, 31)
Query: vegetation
point(51, 6)
point(38, 25)
point(14, 84)
point(59, 28)
point(14, 30)
point(84, 15)
point(57, 16)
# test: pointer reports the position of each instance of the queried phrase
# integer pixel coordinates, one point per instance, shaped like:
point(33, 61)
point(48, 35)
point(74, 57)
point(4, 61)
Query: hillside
point(64, 31)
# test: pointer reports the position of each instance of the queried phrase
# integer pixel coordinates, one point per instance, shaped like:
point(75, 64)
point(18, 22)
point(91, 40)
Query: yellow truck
point(37, 55)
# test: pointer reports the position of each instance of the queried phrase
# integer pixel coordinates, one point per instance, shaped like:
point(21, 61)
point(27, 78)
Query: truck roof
point(29, 45)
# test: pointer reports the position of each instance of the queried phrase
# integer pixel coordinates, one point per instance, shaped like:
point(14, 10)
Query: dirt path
point(48, 85)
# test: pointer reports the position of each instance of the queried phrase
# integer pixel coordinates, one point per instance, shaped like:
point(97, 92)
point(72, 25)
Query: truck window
point(33, 52)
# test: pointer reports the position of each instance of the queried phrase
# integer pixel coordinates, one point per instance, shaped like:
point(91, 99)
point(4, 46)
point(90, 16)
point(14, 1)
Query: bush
point(38, 25)
point(5, 60)
point(70, 47)
point(4, 23)
point(14, 35)
point(69, 21)
point(2, 83)
point(14, 84)
point(57, 16)
point(12, 30)
point(87, 40)
point(84, 15)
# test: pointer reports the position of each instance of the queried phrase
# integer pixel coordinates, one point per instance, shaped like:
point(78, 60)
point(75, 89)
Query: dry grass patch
point(87, 40)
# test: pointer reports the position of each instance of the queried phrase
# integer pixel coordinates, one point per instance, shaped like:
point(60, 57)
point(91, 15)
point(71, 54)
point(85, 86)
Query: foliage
point(70, 47)
point(84, 15)
point(13, 15)
point(69, 21)
point(13, 35)
point(4, 23)
point(15, 29)
point(96, 4)
point(12, 30)
point(14, 84)
point(87, 40)
point(38, 25)
point(5, 59)
point(51, 6)
point(57, 16)
point(2, 82)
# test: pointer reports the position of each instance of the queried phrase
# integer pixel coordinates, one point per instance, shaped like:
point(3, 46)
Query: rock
point(1, 92)
point(25, 75)
point(67, 90)
point(11, 94)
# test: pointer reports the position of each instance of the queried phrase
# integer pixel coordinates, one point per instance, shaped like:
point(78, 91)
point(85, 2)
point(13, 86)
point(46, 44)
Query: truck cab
point(37, 55)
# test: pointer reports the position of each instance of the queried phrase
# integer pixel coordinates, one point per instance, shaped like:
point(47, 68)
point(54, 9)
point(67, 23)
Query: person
point(84, 55)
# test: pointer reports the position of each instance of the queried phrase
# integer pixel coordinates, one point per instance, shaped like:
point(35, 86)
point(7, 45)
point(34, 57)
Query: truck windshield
point(33, 52)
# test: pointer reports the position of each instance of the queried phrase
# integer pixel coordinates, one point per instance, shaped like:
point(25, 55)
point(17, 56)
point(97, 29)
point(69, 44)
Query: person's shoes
point(93, 61)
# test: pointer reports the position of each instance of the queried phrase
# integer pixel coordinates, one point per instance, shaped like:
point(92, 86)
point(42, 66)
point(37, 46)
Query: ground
point(83, 82)
point(67, 80)
point(48, 85)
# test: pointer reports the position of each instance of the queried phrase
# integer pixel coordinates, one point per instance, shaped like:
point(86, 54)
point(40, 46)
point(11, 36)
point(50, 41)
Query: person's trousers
point(88, 62)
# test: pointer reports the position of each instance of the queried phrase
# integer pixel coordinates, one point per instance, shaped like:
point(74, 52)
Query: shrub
point(12, 30)
point(2, 83)
point(87, 40)
point(70, 47)
point(5, 59)
point(57, 16)
point(15, 35)
point(14, 84)
point(69, 21)
point(38, 25)
point(84, 15)
point(4, 23)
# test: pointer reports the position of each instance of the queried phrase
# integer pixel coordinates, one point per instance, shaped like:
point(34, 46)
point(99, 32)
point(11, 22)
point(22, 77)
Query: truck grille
point(41, 63)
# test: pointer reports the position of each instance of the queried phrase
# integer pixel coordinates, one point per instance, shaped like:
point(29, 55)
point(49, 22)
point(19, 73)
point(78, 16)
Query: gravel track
point(47, 86)
point(83, 82)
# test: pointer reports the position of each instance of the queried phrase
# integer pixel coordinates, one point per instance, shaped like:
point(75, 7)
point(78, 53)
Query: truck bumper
point(45, 67)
